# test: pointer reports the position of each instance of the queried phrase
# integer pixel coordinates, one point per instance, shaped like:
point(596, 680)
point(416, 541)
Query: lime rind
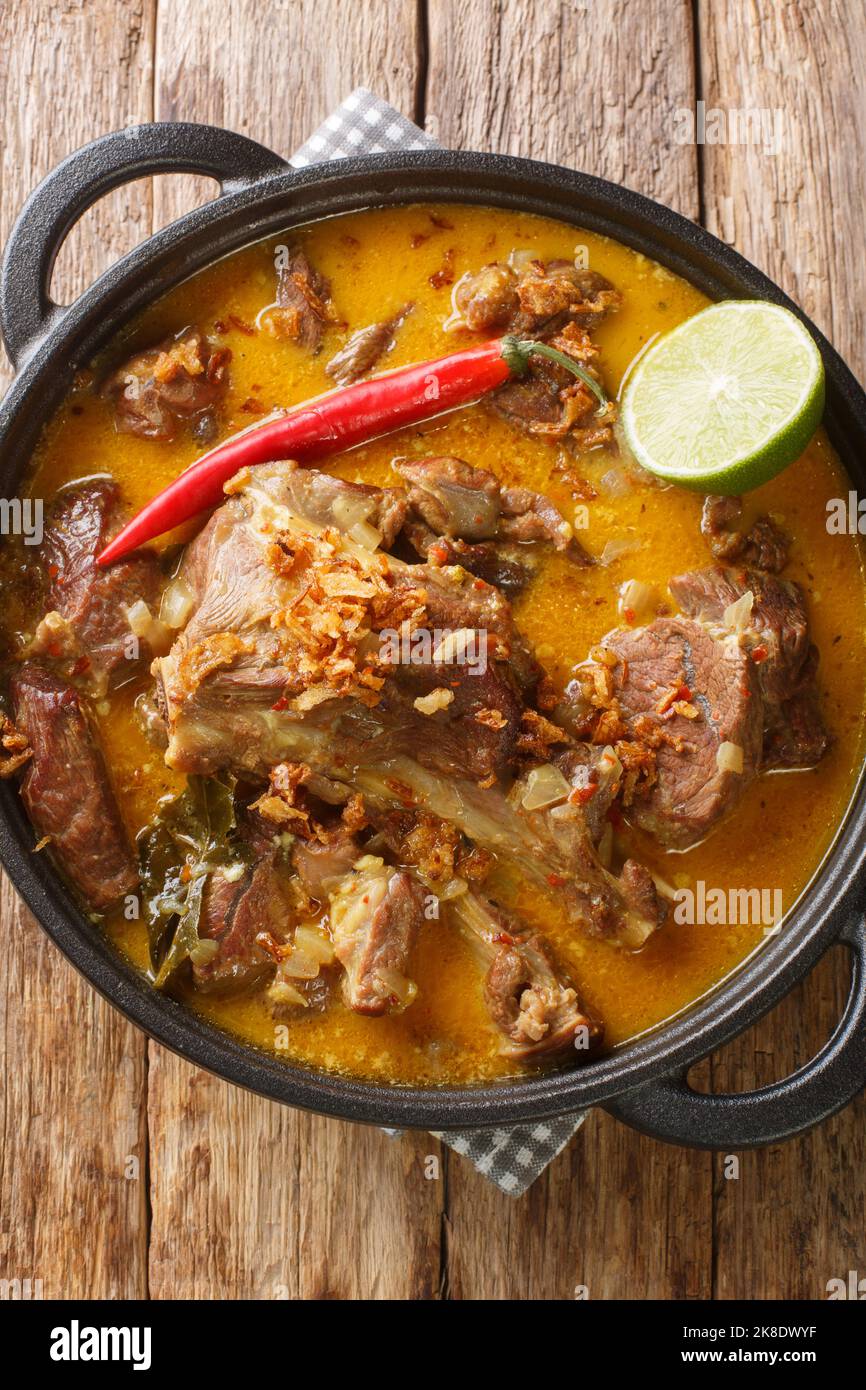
point(726, 400)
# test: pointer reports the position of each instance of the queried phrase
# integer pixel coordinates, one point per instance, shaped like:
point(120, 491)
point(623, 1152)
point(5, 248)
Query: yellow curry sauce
point(377, 262)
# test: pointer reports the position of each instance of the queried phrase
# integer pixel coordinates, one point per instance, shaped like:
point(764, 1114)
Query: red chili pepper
point(337, 421)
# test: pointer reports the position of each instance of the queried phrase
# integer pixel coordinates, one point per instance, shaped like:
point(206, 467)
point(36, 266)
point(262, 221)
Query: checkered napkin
point(510, 1158)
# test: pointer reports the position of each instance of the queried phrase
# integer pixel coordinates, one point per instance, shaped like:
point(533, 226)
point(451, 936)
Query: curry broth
point(377, 262)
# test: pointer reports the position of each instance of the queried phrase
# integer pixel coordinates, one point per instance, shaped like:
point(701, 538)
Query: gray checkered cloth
point(510, 1158)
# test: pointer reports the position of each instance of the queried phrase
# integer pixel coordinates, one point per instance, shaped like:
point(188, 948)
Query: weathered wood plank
point(274, 70)
point(797, 1215)
point(72, 1161)
point(594, 86)
point(250, 1199)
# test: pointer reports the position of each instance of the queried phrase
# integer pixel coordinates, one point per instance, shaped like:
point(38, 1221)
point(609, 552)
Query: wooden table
point(124, 1171)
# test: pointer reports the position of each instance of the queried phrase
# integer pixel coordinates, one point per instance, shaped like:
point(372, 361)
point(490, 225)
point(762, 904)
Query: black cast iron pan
point(644, 1082)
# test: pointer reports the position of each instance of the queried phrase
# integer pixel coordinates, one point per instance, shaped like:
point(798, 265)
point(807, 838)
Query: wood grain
point(594, 86)
point(274, 69)
point(252, 1200)
point(796, 1216)
point(249, 1199)
point(73, 1156)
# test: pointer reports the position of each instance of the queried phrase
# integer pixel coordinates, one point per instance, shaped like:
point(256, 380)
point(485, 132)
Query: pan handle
point(26, 309)
point(669, 1109)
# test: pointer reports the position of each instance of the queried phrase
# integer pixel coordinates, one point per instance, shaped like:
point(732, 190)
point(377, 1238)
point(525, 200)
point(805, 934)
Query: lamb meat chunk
point(452, 497)
point(531, 1003)
point(666, 672)
point(303, 306)
point(365, 347)
point(322, 865)
point(93, 602)
point(534, 299)
point(538, 407)
point(486, 300)
point(777, 634)
point(554, 294)
point(245, 654)
point(157, 391)
point(236, 912)
point(506, 566)
point(794, 733)
point(765, 546)
point(375, 916)
point(66, 791)
point(558, 303)
point(329, 501)
point(457, 501)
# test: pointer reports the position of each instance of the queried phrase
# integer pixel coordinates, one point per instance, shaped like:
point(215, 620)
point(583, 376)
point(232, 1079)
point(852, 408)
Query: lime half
point(727, 399)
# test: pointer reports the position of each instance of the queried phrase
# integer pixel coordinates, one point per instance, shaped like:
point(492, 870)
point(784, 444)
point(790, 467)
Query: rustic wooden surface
point(123, 1171)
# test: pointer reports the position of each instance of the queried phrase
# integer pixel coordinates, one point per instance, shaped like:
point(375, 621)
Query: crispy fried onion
point(342, 602)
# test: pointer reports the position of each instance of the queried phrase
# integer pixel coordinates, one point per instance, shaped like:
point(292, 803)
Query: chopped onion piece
point(619, 545)
point(454, 888)
point(203, 952)
point(390, 984)
point(520, 258)
point(368, 861)
point(281, 992)
point(636, 599)
point(663, 888)
point(729, 757)
point(315, 944)
point(300, 966)
point(362, 533)
point(614, 483)
point(177, 604)
point(545, 786)
point(455, 645)
point(440, 698)
point(350, 510)
point(737, 615)
point(148, 628)
point(609, 765)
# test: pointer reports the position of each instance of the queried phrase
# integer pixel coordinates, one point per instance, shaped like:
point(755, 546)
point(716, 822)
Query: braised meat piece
point(466, 508)
point(765, 546)
point(505, 565)
point(774, 631)
point(303, 308)
point(775, 628)
point(159, 390)
point(66, 791)
point(487, 301)
point(556, 303)
point(237, 910)
point(365, 347)
point(322, 864)
point(535, 299)
point(92, 603)
point(329, 501)
point(673, 675)
point(533, 1005)
point(287, 620)
point(375, 916)
point(794, 732)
